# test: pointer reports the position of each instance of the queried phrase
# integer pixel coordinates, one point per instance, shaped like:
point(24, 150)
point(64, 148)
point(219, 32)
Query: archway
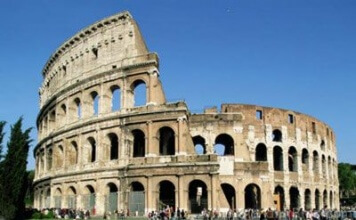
point(72, 198)
point(137, 199)
point(252, 197)
point(279, 198)
point(224, 145)
point(261, 152)
point(277, 135)
point(229, 192)
point(294, 197)
point(166, 141)
point(138, 143)
point(325, 198)
point(57, 198)
point(292, 160)
point(114, 146)
point(277, 158)
point(307, 199)
point(88, 199)
point(198, 196)
point(305, 159)
point(111, 202)
point(167, 194)
point(138, 89)
point(199, 144)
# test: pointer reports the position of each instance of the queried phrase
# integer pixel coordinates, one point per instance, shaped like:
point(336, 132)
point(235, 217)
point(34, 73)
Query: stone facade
point(98, 150)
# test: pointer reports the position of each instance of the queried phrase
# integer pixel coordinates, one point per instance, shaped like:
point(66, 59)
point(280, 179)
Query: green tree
point(13, 173)
point(347, 178)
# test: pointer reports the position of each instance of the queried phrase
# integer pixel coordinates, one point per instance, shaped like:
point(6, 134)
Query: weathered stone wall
point(89, 153)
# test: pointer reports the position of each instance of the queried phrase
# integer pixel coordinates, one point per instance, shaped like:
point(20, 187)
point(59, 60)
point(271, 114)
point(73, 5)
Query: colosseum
point(99, 149)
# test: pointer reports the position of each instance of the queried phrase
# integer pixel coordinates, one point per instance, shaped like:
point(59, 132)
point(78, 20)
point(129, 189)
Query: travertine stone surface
point(92, 156)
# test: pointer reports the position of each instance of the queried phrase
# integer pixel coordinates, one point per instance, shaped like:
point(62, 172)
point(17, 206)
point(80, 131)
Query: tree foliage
point(13, 174)
point(347, 178)
point(2, 125)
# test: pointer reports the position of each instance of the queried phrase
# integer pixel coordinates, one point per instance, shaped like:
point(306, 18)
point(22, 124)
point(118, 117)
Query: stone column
point(181, 193)
point(150, 200)
point(180, 149)
point(214, 195)
point(150, 148)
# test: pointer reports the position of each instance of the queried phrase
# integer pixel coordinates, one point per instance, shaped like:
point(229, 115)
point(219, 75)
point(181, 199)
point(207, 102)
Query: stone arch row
point(60, 154)
point(224, 145)
point(91, 103)
point(312, 199)
point(293, 160)
point(277, 136)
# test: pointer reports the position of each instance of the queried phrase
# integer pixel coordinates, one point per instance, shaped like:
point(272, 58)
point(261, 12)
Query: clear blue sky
point(297, 54)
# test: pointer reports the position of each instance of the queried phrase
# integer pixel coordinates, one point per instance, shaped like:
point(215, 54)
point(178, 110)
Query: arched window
point(305, 159)
point(114, 146)
point(115, 98)
point(315, 162)
point(323, 162)
point(278, 158)
point(49, 159)
point(199, 144)
point(277, 135)
point(57, 198)
point(112, 197)
point(325, 198)
point(166, 141)
point(167, 194)
point(78, 108)
point(73, 154)
point(261, 152)
point(224, 145)
point(95, 101)
point(71, 198)
point(138, 143)
point(139, 92)
point(322, 145)
point(92, 150)
point(292, 160)
point(58, 156)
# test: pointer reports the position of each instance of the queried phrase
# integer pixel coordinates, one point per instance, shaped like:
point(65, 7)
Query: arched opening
point(330, 169)
point(57, 198)
point(315, 162)
point(198, 196)
point(89, 199)
point(49, 159)
point(92, 152)
point(305, 159)
point(322, 145)
point(292, 160)
point(323, 162)
point(331, 200)
point(317, 199)
point(137, 199)
point(166, 141)
point(277, 158)
point(229, 192)
point(277, 135)
point(78, 108)
point(167, 194)
point(224, 145)
point(261, 152)
point(139, 91)
point(72, 198)
point(58, 156)
point(48, 198)
point(199, 145)
point(138, 143)
point(279, 198)
point(115, 98)
point(294, 197)
point(111, 198)
point(73, 153)
point(252, 197)
point(95, 102)
point(114, 146)
point(325, 198)
point(307, 199)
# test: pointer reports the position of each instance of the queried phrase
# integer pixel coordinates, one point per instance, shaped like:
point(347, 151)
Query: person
point(290, 214)
point(315, 215)
point(262, 216)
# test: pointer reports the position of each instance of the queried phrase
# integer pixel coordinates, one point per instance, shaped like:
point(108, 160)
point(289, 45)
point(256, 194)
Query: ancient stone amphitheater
point(101, 150)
